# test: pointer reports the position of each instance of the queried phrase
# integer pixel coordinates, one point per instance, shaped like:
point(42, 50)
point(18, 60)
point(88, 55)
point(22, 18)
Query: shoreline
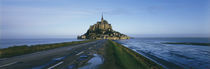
point(187, 43)
point(127, 58)
point(25, 49)
point(77, 55)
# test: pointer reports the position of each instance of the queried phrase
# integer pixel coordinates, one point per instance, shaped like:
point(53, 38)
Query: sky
point(136, 18)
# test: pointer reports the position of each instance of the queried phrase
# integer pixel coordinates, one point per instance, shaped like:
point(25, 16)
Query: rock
point(102, 30)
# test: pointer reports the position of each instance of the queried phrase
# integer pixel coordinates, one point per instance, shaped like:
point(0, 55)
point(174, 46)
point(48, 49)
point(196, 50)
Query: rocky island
point(102, 30)
point(86, 54)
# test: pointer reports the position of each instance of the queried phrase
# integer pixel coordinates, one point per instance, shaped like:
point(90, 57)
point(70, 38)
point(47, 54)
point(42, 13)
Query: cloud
point(33, 20)
point(12, 14)
point(57, 17)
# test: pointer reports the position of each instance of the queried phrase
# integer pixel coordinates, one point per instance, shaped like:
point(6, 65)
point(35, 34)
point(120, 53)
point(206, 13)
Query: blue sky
point(137, 18)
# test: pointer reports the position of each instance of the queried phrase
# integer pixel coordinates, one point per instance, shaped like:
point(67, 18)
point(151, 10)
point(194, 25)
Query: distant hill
point(102, 30)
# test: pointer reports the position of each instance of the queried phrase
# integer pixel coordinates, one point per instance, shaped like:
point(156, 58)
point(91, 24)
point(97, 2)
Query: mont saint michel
point(104, 34)
point(102, 30)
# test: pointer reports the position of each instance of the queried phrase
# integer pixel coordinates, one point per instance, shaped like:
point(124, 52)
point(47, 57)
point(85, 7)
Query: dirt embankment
point(120, 57)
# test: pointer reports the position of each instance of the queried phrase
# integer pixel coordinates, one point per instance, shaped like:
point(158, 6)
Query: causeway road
point(68, 57)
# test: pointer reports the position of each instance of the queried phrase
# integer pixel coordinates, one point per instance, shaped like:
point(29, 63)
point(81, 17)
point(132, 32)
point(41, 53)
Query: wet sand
point(75, 57)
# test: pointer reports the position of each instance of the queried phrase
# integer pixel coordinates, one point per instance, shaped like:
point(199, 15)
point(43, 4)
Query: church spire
point(102, 18)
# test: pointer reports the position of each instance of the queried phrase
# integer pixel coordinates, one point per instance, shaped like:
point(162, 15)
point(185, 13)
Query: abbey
point(102, 30)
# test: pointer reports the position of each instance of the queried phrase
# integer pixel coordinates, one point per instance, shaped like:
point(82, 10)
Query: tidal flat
point(188, 43)
point(79, 55)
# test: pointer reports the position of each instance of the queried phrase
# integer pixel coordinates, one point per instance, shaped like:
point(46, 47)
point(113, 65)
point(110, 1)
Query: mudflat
point(106, 53)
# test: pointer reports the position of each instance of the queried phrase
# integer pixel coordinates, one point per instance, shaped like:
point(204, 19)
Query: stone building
point(102, 30)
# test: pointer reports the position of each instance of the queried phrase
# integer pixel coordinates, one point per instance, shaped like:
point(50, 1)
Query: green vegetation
point(188, 43)
point(119, 57)
point(20, 50)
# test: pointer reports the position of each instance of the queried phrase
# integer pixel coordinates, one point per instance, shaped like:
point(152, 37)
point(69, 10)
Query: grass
point(24, 49)
point(188, 43)
point(119, 57)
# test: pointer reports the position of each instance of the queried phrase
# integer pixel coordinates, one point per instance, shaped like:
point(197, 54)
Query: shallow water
point(186, 56)
point(94, 62)
point(47, 64)
point(4, 43)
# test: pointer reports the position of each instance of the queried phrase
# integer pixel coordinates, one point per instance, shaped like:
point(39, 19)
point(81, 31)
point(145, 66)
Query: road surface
point(69, 57)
